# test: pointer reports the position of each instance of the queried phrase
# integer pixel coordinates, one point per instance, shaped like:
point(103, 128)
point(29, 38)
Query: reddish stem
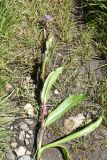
point(43, 108)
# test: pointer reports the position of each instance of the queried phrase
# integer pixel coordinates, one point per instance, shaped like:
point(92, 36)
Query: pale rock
point(72, 123)
point(24, 126)
point(28, 152)
point(10, 155)
point(28, 79)
point(27, 136)
point(30, 132)
point(26, 157)
point(22, 135)
point(8, 87)
point(56, 92)
point(11, 128)
point(29, 109)
point(29, 121)
point(20, 151)
point(14, 145)
point(27, 141)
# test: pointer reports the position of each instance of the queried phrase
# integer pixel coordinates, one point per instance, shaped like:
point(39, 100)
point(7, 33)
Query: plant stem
point(43, 108)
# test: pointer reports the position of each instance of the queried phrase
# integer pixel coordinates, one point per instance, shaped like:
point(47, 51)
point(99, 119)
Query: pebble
point(31, 141)
point(29, 109)
point(28, 152)
point(27, 141)
point(20, 151)
point(24, 126)
point(11, 128)
point(22, 135)
point(71, 123)
point(26, 157)
point(28, 79)
point(56, 92)
point(14, 145)
point(27, 136)
point(10, 155)
point(8, 87)
point(30, 132)
point(29, 121)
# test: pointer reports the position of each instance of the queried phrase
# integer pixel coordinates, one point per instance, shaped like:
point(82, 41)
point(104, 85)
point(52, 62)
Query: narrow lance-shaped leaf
point(49, 42)
point(52, 77)
point(61, 148)
point(47, 55)
point(82, 132)
point(64, 107)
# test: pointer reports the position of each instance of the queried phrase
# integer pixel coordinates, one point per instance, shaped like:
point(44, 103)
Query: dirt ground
point(93, 146)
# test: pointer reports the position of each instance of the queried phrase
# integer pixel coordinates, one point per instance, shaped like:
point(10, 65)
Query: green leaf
point(77, 134)
point(47, 54)
point(72, 136)
point(52, 77)
point(63, 150)
point(64, 107)
point(49, 42)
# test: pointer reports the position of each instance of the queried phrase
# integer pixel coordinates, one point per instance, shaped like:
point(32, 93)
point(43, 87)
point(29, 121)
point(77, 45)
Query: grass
point(21, 39)
point(95, 16)
point(101, 95)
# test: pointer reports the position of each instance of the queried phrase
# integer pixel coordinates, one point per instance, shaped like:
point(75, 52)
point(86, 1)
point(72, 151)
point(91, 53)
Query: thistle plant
point(54, 115)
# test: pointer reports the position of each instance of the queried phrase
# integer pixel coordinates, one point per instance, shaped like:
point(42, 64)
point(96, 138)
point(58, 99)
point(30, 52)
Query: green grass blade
point(52, 77)
point(61, 148)
point(77, 134)
point(64, 107)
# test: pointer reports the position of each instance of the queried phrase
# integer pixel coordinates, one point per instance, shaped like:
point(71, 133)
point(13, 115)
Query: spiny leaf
point(64, 107)
point(52, 77)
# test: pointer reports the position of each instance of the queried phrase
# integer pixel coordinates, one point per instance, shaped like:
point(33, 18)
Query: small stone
point(24, 126)
point(33, 95)
point(94, 112)
point(29, 109)
point(8, 87)
point(20, 151)
point(14, 145)
point(71, 123)
point(28, 152)
point(31, 141)
point(56, 92)
point(26, 157)
point(30, 132)
point(28, 79)
point(22, 135)
point(27, 141)
point(27, 136)
point(10, 155)
point(11, 128)
point(32, 136)
point(29, 121)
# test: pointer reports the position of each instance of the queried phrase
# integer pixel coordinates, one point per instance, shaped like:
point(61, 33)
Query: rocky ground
point(22, 142)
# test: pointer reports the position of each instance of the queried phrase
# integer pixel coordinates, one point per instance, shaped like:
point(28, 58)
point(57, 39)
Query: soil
point(93, 146)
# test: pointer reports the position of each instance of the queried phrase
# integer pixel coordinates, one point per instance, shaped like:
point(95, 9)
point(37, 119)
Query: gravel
point(20, 151)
